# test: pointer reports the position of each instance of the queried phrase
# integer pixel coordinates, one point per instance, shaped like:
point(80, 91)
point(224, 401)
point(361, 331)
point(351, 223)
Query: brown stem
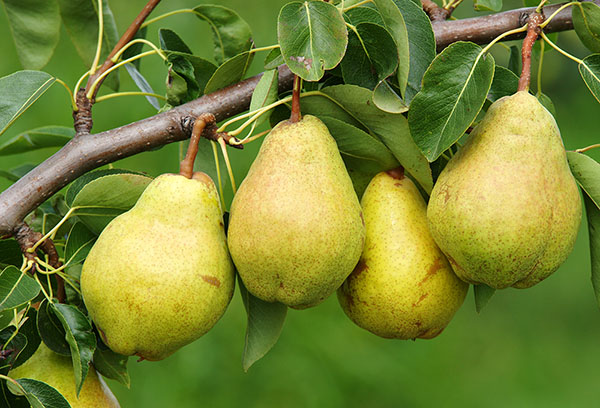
point(435, 12)
point(82, 117)
point(204, 120)
point(533, 30)
point(296, 114)
point(125, 38)
point(26, 238)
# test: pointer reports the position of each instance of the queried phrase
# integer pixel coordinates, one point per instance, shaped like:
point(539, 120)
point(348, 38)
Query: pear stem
point(533, 30)
point(186, 167)
point(296, 115)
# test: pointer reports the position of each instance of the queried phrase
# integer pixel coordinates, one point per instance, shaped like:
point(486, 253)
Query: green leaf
point(587, 173)
point(29, 330)
point(16, 288)
point(547, 103)
point(353, 105)
point(81, 339)
point(112, 365)
point(593, 219)
point(454, 89)
point(265, 93)
point(38, 394)
point(231, 34)
point(265, 322)
point(12, 343)
point(514, 61)
point(312, 36)
point(362, 14)
point(483, 294)
point(182, 86)
point(47, 136)
point(487, 5)
point(356, 143)
point(18, 92)
point(51, 330)
point(106, 197)
point(273, 59)
point(10, 253)
point(142, 84)
point(394, 22)
point(232, 71)
point(370, 57)
point(590, 72)
point(505, 83)
point(35, 27)
point(79, 243)
point(586, 22)
point(80, 18)
point(16, 173)
point(421, 44)
point(386, 99)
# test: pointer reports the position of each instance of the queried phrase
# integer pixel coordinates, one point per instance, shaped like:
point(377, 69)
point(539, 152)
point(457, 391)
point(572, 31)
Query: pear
point(403, 287)
point(160, 276)
point(506, 208)
point(296, 229)
point(57, 371)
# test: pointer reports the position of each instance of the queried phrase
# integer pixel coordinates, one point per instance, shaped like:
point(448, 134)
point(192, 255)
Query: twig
point(435, 12)
point(533, 30)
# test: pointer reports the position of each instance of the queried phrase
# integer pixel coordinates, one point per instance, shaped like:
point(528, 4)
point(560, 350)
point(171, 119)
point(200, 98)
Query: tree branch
point(83, 154)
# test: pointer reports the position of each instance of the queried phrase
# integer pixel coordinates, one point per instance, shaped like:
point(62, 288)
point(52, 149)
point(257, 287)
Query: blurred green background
point(536, 347)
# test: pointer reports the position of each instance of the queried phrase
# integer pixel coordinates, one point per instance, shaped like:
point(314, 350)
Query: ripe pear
point(160, 276)
point(403, 287)
point(506, 208)
point(296, 229)
point(57, 371)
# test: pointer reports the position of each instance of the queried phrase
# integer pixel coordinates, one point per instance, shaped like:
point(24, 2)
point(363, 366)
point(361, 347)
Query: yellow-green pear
point(506, 208)
point(403, 287)
point(160, 276)
point(296, 229)
point(57, 371)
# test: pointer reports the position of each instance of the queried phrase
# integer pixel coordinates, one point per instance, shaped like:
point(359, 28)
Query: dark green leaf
point(231, 34)
point(38, 394)
point(80, 337)
point(586, 22)
point(265, 322)
point(16, 345)
point(170, 41)
point(421, 44)
point(547, 103)
point(79, 243)
point(587, 173)
point(386, 99)
point(273, 59)
point(483, 294)
point(487, 5)
point(370, 57)
point(10, 253)
point(593, 219)
point(80, 18)
point(16, 173)
point(265, 93)
point(590, 72)
point(394, 22)
point(505, 83)
point(16, 288)
point(182, 86)
point(231, 72)
point(51, 330)
point(142, 84)
point(514, 61)
point(136, 48)
point(112, 365)
point(454, 89)
point(18, 92)
point(312, 36)
point(362, 14)
point(48, 136)
point(29, 330)
point(35, 27)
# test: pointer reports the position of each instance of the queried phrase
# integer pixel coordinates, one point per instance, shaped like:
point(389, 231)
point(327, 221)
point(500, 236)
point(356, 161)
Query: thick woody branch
point(86, 153)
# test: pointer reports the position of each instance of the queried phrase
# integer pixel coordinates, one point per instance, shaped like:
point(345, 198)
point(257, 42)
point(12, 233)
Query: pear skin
point(57, 371)
point(296, 229)
point(160, 276)
point(506, 209)
point(403, 287)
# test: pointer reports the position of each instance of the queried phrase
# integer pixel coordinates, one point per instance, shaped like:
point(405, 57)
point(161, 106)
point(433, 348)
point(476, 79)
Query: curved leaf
point(454, 89)
point(231, 34)
point(265, 93)
point(593, 218)
point(79, 243)
point(18, 92)
point(16, 288)
point(142, 84)
point(112, 365)
point(482, 294)
point(35, 27)
point(312, 36)
point(230, 72)
point(586, 22)
point(38, 394)
point(51, 330)
point(505, 83)
point(40, 138)
point(590, 72)
point(587, 173)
